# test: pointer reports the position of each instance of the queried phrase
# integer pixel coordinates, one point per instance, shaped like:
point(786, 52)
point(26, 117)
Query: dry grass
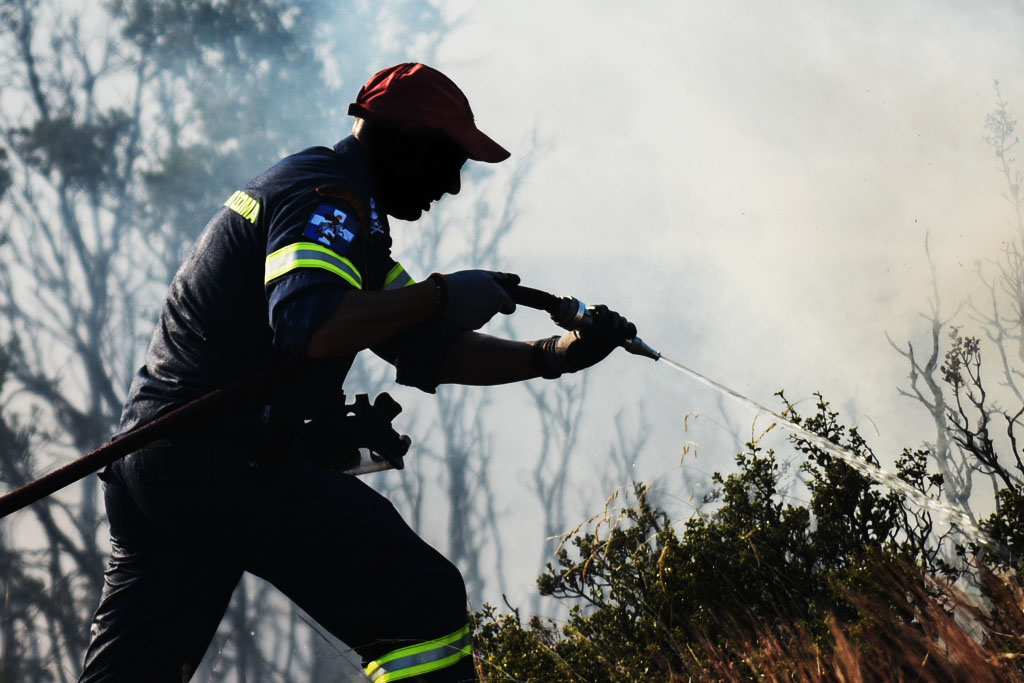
point(921, 630)
point(947, 637)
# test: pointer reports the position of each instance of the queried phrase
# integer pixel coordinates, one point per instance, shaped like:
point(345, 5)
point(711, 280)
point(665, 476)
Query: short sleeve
point(312, 261)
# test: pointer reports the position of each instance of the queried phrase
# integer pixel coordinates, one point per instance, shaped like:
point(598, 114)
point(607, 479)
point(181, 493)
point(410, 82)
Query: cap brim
point(478, 146)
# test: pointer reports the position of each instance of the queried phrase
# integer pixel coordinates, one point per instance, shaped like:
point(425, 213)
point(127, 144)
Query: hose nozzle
point(570, 313)
point(573, 314)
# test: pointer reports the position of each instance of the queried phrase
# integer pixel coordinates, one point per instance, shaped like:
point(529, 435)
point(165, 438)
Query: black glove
point(472, 297)
point(579, 349)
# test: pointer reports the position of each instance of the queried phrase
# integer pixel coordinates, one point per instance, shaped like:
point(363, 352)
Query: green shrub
point(853, 581)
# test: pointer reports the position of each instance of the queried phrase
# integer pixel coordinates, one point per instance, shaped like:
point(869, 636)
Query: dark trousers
point(188, 517)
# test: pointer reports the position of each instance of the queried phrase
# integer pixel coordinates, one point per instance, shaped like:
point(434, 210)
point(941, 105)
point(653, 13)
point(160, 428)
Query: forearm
point(481, 359)
point(365, 318)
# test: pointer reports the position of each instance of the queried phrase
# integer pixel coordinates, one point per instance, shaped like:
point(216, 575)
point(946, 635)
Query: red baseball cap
point(416, 93)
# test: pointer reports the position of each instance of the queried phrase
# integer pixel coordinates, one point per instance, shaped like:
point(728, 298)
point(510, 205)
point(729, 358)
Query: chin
point(410, 214)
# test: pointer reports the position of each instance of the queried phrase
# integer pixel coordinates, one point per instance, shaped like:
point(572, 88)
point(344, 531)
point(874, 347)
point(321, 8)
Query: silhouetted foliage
point(728, 593)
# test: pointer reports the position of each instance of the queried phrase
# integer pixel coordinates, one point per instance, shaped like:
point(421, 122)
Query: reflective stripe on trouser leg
point(420, 659)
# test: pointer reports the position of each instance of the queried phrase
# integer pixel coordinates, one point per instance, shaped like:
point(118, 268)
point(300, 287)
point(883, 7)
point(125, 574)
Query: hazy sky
point(751, 183)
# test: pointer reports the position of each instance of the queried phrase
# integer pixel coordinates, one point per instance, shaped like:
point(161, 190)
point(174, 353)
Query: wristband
point(544, 358)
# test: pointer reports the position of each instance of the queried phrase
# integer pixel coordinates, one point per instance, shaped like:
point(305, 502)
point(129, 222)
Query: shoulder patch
point(332, 227)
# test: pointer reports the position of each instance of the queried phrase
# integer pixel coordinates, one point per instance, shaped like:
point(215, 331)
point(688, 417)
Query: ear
point(410, 136)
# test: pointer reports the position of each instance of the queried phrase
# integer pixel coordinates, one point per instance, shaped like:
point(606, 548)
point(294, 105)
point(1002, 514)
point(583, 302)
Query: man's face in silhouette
point(419, 168)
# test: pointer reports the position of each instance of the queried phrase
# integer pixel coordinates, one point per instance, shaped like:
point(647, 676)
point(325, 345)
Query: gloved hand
point(579, 349)
point(472, 297)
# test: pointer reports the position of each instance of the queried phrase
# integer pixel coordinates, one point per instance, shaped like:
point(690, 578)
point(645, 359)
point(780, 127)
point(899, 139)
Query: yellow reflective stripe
point(244, 205)
point(310, 255)
point(397, 278)
point(420, 659)
point(425, 668)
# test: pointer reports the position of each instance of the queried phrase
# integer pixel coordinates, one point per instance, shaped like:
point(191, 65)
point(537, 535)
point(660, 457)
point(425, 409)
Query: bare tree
point(977, 427)
point(63, 290)
point(926, 386)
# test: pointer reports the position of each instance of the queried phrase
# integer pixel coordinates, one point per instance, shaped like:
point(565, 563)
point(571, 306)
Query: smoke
point(753, 184)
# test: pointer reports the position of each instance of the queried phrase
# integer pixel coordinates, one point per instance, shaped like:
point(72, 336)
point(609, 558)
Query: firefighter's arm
point(467, 299)
point(365, 318)
point(481, 359)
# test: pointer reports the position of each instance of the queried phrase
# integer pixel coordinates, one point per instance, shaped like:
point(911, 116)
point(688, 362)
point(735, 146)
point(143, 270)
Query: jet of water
point(952, 514)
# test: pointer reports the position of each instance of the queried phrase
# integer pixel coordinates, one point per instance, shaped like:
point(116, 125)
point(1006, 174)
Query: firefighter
point(297, 265)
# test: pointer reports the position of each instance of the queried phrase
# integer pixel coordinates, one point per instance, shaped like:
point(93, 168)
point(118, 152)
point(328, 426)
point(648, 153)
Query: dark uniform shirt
point(266, 272)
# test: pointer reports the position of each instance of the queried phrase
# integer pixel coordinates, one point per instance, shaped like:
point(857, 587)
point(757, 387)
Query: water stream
point(950, 513)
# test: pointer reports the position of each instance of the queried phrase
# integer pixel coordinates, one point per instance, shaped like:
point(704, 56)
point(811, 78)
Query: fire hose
point(566, 312)
point(382, 450)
